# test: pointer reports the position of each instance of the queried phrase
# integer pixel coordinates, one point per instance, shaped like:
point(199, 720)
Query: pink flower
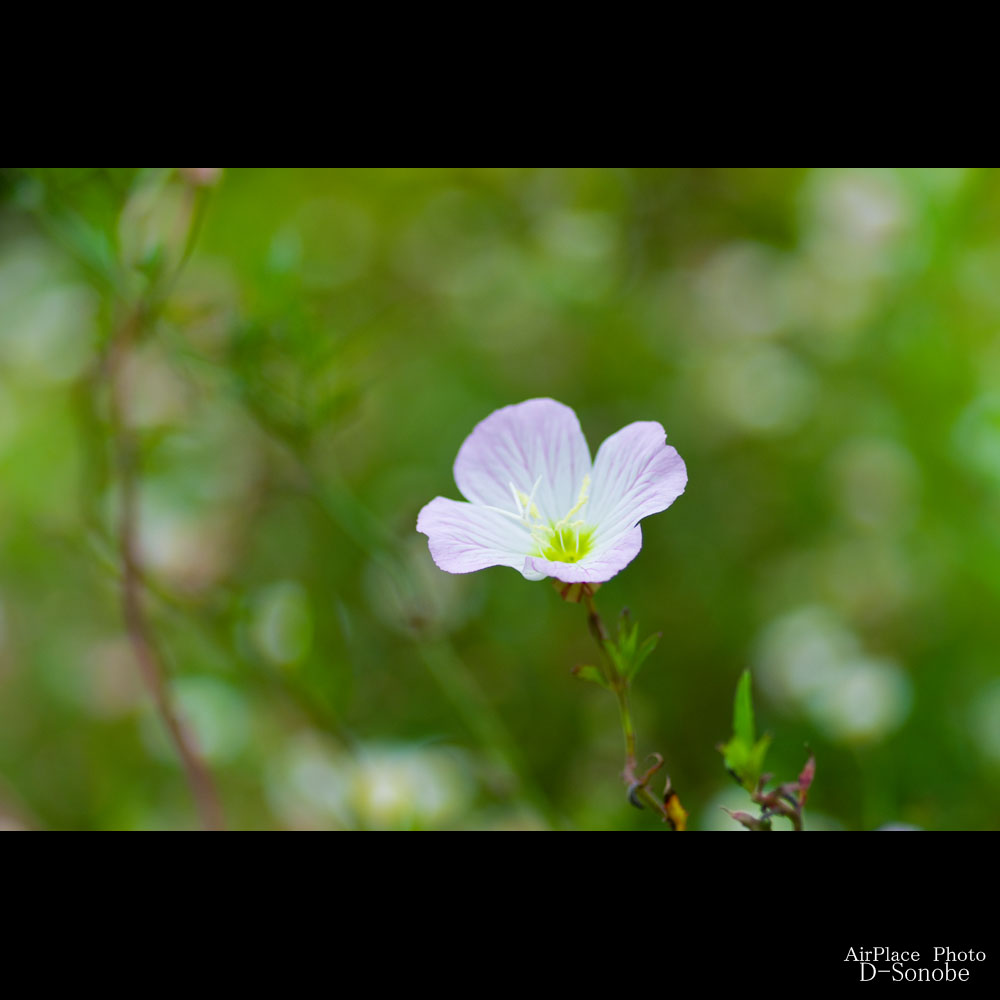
point(537, 502)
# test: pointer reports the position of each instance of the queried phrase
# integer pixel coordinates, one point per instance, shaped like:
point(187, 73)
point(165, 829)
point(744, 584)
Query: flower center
point(566, 540)
point(567, 544)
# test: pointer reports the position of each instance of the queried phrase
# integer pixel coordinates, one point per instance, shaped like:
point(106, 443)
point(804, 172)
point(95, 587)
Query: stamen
point(580, 501)
point(567, 540)
point(532, 509)
point(506, 513)
point(517, 500)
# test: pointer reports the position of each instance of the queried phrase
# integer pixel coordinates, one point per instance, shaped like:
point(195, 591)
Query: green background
point(822, 347)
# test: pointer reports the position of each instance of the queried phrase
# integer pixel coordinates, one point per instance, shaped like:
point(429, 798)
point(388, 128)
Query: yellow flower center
point(567, 544)
point(566, 540)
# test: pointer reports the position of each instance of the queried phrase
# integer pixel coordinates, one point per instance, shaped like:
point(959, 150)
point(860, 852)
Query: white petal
point(538, 441)
point(463, 537)
point(636, 473)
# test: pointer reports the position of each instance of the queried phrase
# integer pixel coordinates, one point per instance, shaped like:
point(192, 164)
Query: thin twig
point(140, 633)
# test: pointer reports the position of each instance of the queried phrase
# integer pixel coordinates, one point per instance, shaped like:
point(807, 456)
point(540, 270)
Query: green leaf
point(630, 640)
point(743, 727)
point(755, 764)
point(744, 754)
point(614, 652)
point(624, 622)
point(592, 674)
point(644, 650)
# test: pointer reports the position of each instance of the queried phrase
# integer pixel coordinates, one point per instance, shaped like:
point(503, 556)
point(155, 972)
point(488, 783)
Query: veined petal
point(597, 567)
point(636, 473)
point(535, 442)
point(464, 537)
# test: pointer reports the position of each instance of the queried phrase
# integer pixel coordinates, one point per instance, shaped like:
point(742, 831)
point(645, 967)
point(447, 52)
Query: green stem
point(638, 785)
point(628, 727)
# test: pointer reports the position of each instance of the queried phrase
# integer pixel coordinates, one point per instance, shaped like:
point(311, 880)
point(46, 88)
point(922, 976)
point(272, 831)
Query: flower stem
point(669, 808)
point(628, 728)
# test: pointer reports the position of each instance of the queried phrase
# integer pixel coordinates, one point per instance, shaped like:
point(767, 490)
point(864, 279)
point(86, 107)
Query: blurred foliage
point(823, 348)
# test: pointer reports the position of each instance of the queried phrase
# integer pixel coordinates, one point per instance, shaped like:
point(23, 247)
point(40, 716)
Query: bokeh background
point(822, 346)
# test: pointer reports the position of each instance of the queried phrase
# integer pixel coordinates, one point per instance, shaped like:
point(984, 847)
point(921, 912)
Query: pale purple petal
point(636, 473)
point(536, 441)
point(597, 567)
point(463, 537)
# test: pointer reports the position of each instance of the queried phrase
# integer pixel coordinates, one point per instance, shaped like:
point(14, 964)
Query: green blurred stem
point(135, 319)
point(462, 690)
point(445, 666)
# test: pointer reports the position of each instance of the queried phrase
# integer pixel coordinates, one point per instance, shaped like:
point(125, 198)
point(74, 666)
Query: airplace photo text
point(942, 964)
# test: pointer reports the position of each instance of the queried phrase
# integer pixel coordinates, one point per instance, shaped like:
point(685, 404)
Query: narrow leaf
point(620, 661)
point(590, 673)
point(644, 650)
point(743, 753)
point(743, 727)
